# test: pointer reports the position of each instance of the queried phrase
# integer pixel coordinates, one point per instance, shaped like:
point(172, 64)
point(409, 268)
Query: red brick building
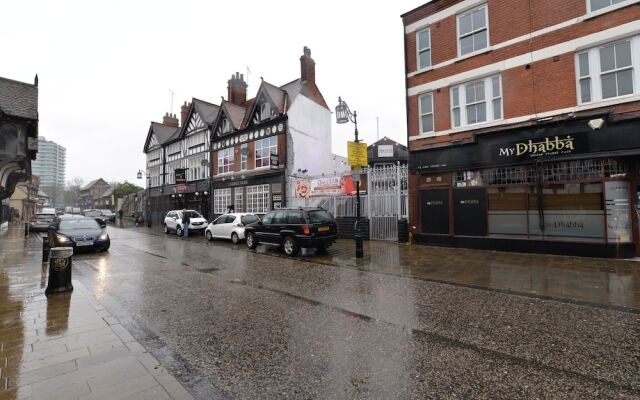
point(524, 124)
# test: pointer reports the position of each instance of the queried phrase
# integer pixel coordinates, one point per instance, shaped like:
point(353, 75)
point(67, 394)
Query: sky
point(106, 69)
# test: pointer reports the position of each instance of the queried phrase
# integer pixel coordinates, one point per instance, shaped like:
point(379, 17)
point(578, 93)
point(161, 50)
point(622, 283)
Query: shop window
point(608, 72)
point(423, 43)
point(237, 204)
point(476, 102)
point(258, 199)
point(473, 32)
point(221, 200)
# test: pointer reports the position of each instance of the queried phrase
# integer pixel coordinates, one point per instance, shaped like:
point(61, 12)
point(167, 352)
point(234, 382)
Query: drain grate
point(209, 270)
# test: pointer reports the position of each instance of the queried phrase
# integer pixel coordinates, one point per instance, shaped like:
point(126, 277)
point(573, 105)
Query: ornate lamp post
point(344, 115)
point(147, 213)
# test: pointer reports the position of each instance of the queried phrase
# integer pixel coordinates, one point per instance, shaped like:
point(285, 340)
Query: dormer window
point(263, 113)
point(224, 127)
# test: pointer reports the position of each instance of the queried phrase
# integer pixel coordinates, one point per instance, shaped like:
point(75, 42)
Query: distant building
point(387, 152)
point(105, 199)
point(18, 136)
point(50, 166)
point(91, 192)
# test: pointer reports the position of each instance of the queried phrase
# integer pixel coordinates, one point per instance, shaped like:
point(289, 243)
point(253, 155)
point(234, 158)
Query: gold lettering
point(521, 148)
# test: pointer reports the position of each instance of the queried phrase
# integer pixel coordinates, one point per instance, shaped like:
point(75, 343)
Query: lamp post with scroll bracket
point(344, 115)
point(147, 213)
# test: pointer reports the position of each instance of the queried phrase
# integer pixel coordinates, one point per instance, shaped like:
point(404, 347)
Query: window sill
point(609, 9)
point(475, 53)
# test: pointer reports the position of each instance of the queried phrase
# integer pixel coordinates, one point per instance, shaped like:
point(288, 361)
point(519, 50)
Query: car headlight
point(104, 236)
point(62, 239)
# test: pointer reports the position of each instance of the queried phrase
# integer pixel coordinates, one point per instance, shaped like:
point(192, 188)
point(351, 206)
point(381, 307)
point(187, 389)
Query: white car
point(173, 222)
point(230, 226)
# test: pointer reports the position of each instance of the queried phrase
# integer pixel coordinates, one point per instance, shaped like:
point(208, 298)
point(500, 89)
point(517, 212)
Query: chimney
point(170, 120)
point(307, 67)
point(237, 89)
point(184, 111)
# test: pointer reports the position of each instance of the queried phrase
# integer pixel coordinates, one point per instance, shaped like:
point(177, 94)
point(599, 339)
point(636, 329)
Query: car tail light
point(305, 229)
point(240, 225)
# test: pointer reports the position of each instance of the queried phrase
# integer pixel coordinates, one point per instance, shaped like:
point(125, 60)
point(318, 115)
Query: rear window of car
point(319, 217)
point(45, 217)
point(249, 219)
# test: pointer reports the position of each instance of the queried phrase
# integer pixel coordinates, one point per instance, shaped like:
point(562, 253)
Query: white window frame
point(595, 73)
point(273, 149)
point(225, 160)
point(458, 38)
point(418, 51)
point(489, 96)
point(612, 7)
point(420, 114)
point(265, 111)
point(257, 199)
point(221, 200)
point(244, 160)
point(238, 203)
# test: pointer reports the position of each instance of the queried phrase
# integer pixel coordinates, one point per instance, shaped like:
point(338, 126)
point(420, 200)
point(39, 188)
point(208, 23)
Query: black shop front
point(558, 187)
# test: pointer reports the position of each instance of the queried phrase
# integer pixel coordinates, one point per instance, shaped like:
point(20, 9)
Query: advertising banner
point(325, 187)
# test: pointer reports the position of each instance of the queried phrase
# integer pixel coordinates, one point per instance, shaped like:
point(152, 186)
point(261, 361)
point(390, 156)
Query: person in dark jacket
point(186, 220)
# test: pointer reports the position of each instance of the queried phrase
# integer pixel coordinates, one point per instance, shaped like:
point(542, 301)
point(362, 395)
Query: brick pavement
point(67, 346)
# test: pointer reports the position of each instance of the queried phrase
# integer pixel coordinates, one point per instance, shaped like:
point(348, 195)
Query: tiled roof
point(276, 94)
point(88, 185)
point(207, 111)
point(235, 113)
point(163, 132)
point(107, 192)
point(18, 99)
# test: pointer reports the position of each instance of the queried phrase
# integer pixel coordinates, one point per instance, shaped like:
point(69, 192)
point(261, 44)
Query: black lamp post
point(147, 215)
point(344, 115)
point(205, 163)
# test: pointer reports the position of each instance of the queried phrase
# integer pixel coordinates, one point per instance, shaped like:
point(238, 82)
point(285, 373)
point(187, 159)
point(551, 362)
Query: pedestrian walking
point(186, 220)
point(120, 214)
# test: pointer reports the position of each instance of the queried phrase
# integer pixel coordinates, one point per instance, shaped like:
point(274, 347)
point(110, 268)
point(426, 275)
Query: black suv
point(291, 229)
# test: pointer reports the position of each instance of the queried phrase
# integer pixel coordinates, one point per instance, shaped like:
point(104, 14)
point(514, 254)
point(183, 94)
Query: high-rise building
point(50, 166)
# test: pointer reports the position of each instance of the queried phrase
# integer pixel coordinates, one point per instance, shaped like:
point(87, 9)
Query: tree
point(55, 193)
point(122, 189)
point(71, 193)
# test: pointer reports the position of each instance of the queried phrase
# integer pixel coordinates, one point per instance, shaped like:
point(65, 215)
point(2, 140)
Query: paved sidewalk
point(67, 346)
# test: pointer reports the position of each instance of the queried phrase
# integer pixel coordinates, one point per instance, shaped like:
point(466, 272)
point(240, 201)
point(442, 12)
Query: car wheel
point(208, 235)
point(290, 246)
point(252, 243)
point(234, 238)
point(166, 230)
point(179, 230)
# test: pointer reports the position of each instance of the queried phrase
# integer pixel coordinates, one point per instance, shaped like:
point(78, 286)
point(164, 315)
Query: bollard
point(45, 249)
point(26, 229)
point(59, 270)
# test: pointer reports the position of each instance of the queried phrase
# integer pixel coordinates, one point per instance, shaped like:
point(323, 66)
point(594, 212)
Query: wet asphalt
point(238, 324)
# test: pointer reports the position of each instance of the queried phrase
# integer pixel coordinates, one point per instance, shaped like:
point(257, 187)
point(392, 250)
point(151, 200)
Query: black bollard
point(59, 270)
point(26, 229)
point(45, 249)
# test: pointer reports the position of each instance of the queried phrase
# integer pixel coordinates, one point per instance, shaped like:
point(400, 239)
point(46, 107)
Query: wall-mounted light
point(596, 124)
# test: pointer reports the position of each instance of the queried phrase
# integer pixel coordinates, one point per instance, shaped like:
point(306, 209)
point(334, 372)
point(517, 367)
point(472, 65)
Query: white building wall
point(309, 141)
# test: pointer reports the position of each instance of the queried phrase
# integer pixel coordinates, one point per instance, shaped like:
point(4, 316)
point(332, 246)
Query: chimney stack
point(184, 112)
point(307, 67)
point(170, 120)
point(237, 89)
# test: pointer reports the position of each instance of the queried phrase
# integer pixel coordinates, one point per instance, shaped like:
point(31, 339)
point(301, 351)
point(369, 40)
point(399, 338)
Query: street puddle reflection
point(57, 321)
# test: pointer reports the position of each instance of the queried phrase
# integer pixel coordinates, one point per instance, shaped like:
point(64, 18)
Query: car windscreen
point(67, 224)
point(319, 217)
point(248, 219)
point(107, 213)
point(92, 213)
point(194, 214)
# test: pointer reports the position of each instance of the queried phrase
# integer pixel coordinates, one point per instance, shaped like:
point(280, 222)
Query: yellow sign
point(357, 153)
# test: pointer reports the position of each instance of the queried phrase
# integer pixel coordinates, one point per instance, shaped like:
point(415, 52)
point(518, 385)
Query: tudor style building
point(246, 147)
point(524, 124)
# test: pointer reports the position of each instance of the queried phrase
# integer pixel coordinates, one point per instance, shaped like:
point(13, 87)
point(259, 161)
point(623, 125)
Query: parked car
point(230, 226)
point(292, 229)
point(173, 222)
point(109, 215)
point(76, 210)
point(78, 232)
point(41, 221)
point(95, 214)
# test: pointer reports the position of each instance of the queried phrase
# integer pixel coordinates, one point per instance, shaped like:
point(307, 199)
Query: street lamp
point(147, 213)
point(344, 115)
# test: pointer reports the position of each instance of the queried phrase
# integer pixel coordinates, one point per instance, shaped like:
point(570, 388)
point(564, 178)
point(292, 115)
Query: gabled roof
point(207, 111)
point(163, 134)
point(18, 99)
point(107, 192)
point(92, 183)
point(276, 94)
point(235, 113)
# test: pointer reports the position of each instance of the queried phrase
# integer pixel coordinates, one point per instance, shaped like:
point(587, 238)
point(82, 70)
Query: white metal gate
point(387, 200)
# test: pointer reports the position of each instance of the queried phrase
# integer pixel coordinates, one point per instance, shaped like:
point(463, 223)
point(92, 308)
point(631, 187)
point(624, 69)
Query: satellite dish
point(204, 162)
point(245, 151)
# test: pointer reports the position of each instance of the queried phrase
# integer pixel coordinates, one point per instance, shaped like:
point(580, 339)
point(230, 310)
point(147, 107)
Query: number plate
point(84, 244)
point(323, 229)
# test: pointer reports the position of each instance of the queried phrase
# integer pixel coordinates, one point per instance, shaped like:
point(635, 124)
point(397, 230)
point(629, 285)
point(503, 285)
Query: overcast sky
point(106, 68)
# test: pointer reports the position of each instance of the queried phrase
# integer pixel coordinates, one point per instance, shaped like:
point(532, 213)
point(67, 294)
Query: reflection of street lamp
point(344, 115)
point(147, 213)
point(205, 163)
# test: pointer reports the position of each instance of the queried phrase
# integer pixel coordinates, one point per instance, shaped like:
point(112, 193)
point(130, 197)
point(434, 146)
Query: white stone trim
point(530, 117)
point(620, 31)
point(440, 15)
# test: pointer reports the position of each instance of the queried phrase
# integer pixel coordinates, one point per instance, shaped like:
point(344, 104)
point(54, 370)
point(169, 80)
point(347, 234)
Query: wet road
point(232, 323)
